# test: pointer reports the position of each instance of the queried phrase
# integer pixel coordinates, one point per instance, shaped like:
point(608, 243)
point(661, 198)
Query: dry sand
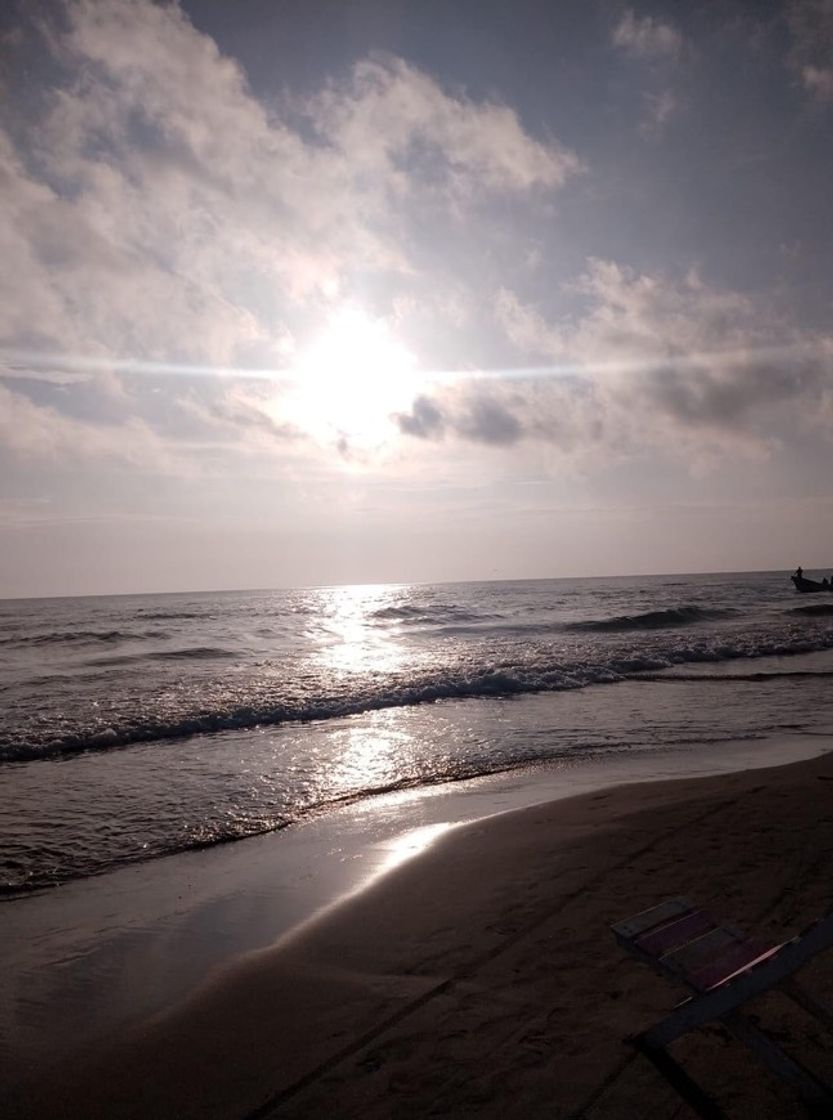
point(481, 979)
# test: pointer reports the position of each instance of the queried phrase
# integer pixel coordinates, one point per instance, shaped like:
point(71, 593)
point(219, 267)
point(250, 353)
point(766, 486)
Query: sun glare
point(352, 379)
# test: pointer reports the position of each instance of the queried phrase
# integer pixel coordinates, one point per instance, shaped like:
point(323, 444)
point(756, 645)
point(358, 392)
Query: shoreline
point(495, 936)
point(171, 922)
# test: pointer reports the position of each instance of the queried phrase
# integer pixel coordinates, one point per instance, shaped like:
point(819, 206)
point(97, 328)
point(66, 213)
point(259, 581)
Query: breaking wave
point(172, 615)
point(650, 620)
point(431, 615)
point(191, 653)
point(88, 637)
point(814, 609)
point(734, 678)
point(272, 702)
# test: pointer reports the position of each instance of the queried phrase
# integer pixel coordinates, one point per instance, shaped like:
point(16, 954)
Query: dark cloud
point(425, 420)
point(727, 397)
point(489, 421)
point(480, 419)
point(735, 399)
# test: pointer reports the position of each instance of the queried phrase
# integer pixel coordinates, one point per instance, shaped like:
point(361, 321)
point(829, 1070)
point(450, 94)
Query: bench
point(723, 968)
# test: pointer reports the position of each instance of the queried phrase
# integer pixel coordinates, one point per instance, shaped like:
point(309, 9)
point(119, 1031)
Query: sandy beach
point(481, 978)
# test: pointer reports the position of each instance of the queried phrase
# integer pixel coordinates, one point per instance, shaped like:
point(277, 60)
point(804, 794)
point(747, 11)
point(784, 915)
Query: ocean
point(137, 726)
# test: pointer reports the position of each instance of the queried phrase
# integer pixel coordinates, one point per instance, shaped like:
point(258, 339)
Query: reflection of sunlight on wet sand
point(382, 858)
point(410, 844)
point(395, 851)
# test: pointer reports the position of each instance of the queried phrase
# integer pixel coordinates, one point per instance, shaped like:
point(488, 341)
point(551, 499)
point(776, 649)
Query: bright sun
point(351, 380)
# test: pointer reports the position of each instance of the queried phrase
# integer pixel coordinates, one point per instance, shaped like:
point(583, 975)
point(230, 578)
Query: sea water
point(134, 727)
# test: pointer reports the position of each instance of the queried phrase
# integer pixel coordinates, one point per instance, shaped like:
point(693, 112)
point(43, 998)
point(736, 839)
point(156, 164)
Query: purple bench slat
point(735, 960)
point(675, 934)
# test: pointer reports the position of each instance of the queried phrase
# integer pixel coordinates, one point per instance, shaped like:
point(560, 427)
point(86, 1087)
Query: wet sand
point(481, 978)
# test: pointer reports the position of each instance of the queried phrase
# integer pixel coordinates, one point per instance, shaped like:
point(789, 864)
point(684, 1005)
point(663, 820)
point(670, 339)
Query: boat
point(809, 585)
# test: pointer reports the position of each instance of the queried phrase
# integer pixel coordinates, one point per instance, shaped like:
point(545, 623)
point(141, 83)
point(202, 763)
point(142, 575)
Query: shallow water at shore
point(88, 814)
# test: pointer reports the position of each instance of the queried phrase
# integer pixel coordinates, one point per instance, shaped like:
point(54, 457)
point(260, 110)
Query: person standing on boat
point(799, 571)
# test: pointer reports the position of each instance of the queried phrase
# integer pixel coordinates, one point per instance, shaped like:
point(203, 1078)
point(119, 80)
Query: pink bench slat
point(735, 960)
point(675, 934)
point(699, 952)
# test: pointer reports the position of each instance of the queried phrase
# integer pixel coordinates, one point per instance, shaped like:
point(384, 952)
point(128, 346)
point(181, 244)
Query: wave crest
point(50, 637)
point(816, 609)
point(651, 620)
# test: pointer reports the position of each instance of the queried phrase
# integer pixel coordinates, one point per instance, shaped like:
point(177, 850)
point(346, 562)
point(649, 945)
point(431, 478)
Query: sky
point(317, 292)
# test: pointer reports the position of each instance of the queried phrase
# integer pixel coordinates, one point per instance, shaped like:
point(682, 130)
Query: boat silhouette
point(807, 586)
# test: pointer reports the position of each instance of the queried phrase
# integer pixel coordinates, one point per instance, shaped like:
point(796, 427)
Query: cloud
point(660, 109)
point(425, 419)
point(246, 414)
point(389, 116)
point(525, 326)
point(819, 81)
point(156, 210)
point(811, 26)
point(35, 431)
point(699, 355)
point(691, 369)
point(489, 421)
point(646, 37)
point(650, 40)
point(502, 412)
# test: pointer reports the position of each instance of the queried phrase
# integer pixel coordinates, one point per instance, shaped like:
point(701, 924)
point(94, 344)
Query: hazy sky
point(311, 292)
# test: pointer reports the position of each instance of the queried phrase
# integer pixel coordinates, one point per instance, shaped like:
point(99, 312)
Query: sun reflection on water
point(354, 639)
point(379, 754)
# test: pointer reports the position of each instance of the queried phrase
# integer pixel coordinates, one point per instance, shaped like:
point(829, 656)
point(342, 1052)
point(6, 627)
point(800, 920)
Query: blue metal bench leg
point(810, 1087)
point(815, 1007)
point(694, 1096)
